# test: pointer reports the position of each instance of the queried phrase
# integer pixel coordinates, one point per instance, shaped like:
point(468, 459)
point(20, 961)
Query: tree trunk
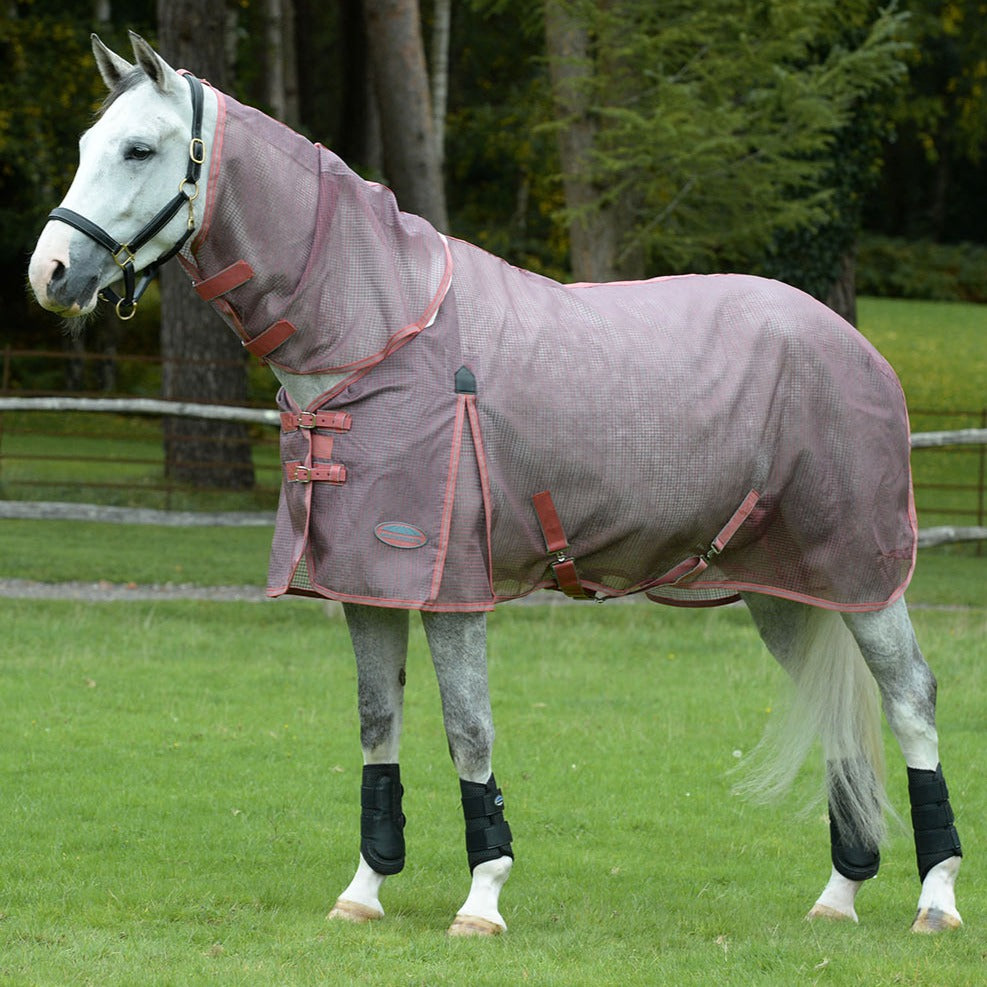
point(281, 77)
point(442, 14)
point(594, 233)
point(842, 296)
point(203, 360)
point(397, 56)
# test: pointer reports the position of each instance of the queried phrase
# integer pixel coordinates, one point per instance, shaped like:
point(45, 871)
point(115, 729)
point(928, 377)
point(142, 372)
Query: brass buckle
point(197, 143)
point(303, 474)
point(129, 259)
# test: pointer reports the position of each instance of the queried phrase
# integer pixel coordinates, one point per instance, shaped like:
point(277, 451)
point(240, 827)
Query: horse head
point(138, 192)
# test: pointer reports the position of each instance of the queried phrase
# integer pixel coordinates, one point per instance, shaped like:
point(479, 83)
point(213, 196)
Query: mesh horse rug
point(498, 432)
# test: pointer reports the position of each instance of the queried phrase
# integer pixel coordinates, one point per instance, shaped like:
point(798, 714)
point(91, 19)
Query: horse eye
point(137, 152)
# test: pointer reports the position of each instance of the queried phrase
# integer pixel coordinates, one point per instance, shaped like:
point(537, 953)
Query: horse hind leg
point(380, 642)
point(458, 645)
point(908, 690)
point(835, 699)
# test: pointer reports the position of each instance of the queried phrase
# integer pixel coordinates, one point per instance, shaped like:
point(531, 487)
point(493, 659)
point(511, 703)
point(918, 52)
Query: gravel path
point(29, 589)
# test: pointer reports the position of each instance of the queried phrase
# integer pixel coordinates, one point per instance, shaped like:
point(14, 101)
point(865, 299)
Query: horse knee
point(471, 746)
point(377, 727)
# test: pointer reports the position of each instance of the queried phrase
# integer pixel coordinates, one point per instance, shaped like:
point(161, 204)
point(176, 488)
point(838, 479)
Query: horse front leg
point(380, 642)
point(458, 646)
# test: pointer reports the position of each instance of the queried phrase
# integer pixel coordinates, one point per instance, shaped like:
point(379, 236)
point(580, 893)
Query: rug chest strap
point(557, 544)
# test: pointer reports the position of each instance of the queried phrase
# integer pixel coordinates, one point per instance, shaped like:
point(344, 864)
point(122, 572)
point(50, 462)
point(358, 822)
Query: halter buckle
point(197, 150)
point(128, 260)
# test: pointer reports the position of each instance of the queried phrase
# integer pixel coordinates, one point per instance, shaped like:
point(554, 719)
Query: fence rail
point(936, 535)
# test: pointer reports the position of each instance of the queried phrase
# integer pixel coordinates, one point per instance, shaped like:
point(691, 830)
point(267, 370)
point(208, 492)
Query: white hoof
point(353, 911)
point(830, 914)
point(932, 920)
point(472, 925)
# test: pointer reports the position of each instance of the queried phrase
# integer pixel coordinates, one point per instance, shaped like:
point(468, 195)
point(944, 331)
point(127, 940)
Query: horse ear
point(154, 66)
point(111, 66)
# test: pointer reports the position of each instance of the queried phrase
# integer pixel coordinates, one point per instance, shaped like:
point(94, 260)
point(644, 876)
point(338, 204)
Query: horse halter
point(125, 253)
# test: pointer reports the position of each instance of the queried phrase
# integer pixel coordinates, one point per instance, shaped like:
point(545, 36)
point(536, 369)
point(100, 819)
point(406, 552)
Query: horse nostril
point(57, 272)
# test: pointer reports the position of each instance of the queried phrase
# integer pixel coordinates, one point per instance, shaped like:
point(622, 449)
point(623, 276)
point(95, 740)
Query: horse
point(457, 432)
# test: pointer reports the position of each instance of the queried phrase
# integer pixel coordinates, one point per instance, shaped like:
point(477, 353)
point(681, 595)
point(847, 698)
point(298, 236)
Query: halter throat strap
point(125, 254)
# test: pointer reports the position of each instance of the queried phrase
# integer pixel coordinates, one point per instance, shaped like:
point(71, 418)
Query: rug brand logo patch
point(399, 534)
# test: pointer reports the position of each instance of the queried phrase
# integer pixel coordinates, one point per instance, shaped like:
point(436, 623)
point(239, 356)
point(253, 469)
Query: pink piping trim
point(449, 497)
point(481, 462)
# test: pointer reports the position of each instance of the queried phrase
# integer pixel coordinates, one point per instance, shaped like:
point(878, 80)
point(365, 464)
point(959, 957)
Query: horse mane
point(126, 83)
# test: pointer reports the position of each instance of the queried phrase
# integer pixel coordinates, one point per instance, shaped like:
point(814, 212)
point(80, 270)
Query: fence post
point(981, 475)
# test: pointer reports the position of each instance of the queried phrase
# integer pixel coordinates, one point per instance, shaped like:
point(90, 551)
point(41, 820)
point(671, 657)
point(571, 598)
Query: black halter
point(125, 253)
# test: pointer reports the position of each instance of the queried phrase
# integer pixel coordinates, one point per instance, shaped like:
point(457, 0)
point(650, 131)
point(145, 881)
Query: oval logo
point(398, 534)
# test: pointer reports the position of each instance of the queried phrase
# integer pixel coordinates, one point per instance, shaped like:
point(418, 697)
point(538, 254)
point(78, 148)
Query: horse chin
point(74, 324)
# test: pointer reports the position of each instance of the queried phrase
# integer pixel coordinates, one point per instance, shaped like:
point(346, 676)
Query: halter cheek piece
point(125, 253)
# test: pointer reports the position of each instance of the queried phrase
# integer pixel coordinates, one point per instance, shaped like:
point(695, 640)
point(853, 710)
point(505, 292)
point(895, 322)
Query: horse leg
point(458, 646)
point(837, 700)
point(908, 690)
point(380, 642)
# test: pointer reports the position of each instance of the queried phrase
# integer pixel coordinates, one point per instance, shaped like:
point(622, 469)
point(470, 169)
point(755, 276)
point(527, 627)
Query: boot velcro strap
point(927, 791)
point(479, 806)
point(491, 837)
point(932, 816)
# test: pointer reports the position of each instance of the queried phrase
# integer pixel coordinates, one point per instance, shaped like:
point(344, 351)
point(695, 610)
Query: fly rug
point(457, 432)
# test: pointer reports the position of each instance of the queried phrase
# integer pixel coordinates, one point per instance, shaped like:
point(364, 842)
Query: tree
point(933, 179)
point(411, 156)
point(717, 123)
point(203, 360)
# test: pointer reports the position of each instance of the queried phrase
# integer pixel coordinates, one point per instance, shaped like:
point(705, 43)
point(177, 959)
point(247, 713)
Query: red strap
point(568, 579)
point(226, 280)
point(551, 526)
point(335, 421)
point(296, 472)
point(556, 542)
point(739, 516)
point(271, 338)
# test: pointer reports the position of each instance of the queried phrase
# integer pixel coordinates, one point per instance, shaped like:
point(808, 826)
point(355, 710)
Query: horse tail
point(836, 701)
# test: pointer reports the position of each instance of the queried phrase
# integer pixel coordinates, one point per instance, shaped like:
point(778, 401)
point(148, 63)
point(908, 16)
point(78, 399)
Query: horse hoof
point(353, 911)
point(472, 925)
point(931, 920)
point(829, 914)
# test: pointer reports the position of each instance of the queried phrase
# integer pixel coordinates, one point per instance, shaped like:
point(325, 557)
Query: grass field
point(181, 780)
point(180, 785)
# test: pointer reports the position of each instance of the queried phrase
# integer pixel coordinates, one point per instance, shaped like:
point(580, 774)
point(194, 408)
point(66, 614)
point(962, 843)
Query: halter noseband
point(125, 253)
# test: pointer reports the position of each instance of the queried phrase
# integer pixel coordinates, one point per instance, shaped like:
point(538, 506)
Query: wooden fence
point(929, 536)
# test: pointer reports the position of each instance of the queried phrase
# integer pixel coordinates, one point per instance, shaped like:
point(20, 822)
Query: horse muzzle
point(59, 285)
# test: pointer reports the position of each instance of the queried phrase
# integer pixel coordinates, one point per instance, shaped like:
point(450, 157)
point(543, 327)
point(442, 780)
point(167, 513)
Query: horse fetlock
point(836, 903)
point(480, 914)
point(381, 818)
point(937, 902)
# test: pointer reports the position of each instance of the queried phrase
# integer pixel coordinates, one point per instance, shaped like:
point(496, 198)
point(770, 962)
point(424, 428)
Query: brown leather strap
point(335, 421)
point(296, 472)
point(270, 339)
point(556, 543)
point(226, 280)
point(740, 515)
point(551, 526)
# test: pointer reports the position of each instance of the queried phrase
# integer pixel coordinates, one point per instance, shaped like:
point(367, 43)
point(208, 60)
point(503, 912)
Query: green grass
point(57, 551)
point(181, 806)
point(939, 350)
